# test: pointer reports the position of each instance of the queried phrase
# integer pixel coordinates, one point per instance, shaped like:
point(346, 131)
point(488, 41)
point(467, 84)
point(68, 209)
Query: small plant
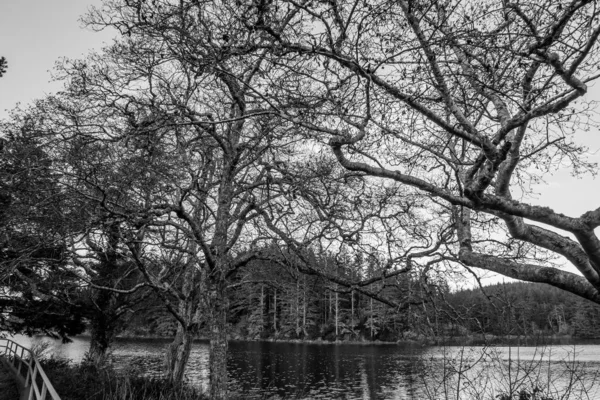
point(40, 349)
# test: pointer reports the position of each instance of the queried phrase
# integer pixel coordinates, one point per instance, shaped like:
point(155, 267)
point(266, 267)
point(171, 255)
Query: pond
point(368, 371)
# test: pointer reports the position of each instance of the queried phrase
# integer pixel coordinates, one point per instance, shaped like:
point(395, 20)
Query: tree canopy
point(464, 104)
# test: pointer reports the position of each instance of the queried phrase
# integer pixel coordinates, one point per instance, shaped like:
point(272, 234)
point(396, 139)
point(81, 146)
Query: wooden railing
point(28, 371)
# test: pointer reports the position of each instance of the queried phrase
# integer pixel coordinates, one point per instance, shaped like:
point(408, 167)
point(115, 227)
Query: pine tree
point(3, 66)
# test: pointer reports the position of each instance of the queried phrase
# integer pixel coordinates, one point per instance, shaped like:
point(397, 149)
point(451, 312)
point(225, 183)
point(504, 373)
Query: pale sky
point(34, 34)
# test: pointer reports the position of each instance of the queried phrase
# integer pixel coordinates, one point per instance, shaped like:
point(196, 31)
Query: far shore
point(475, 340)
point(470, 340)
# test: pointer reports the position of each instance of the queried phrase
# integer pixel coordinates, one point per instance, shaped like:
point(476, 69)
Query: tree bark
point(297, 307)
point(218, 341)
point(101, 339)
point(336, 315)
point(178, 354)
point(275, 311)
point(371, 319)
point(352, 310)
point(262, 307)
point(304, 305)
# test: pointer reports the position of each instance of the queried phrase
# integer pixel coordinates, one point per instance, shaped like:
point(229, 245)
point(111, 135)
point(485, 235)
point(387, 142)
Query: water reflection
point(323, 371)
point(326, 371)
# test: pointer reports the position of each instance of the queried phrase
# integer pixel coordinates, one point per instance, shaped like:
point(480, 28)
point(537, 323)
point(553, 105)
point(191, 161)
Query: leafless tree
point(464, 104)
point(180, 96)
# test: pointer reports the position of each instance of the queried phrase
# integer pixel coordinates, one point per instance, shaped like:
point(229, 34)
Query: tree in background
point(61, 239)
point(519, 309)
point(38, 295)
point(113, 286)
point(3, 66)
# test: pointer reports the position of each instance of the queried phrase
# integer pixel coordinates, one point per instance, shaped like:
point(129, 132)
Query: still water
point(351, 371)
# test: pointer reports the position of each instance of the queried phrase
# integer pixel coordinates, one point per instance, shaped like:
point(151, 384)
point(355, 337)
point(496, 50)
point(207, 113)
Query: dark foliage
point(33, 216)
point(3, 66)
point(305, 310)
point(523, 309)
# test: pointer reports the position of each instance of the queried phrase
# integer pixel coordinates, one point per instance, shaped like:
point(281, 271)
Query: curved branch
point(564, 280)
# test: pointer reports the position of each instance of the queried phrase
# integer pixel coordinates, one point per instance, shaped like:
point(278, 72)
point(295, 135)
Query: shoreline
point(471, 340)
point(474, 340)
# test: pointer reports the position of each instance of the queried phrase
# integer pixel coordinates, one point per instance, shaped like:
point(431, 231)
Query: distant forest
point(524, 309)
point(275, 303)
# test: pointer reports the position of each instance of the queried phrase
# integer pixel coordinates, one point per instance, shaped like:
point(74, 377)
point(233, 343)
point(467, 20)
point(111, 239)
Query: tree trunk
point(275, 311)
point(262, 307)
point(352, 310)
point(178, 354)
point(218, 341)
point(297, 307)
point(330, 301)
point(102, 335)
point(372, 319)
point(336, 314)
point(304, 304)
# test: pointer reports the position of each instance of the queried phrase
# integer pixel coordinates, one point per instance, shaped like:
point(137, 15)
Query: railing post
point(32, 375)
point(44, 391)
point(16, 351)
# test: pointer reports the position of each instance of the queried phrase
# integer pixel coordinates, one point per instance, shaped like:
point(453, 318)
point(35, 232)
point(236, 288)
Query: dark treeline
point(286, 305)
point(524, 309)
point(271, 300)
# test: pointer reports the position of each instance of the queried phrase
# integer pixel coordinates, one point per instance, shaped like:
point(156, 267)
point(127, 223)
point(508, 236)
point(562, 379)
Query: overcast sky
point(34, 34)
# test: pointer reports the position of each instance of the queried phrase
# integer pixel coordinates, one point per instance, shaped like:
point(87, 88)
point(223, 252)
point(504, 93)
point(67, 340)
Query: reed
point(89, 381)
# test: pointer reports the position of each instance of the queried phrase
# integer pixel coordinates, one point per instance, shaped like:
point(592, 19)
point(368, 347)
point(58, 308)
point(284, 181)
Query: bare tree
point(464, 104)
point(191, 83)
point(173, 268)
point(175, 149)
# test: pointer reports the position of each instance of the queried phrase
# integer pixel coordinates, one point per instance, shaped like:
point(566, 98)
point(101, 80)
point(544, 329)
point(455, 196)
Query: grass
point(88, 381)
